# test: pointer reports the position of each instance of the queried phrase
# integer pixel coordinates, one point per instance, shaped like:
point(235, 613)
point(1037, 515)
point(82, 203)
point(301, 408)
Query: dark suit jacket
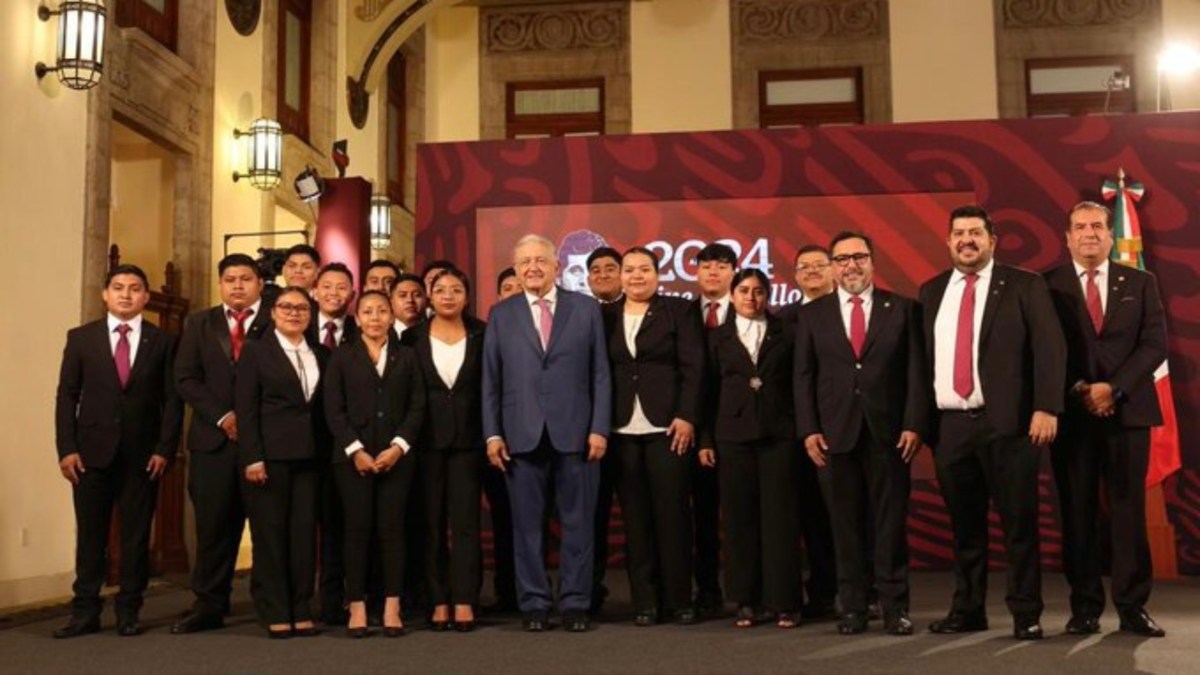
point(454, 416)
point(95, 417)
point(564, 390)
point(886, 390)
point(362, 406)
point(1129, 348)
point(274, 421)
point(736, 412)
point(668, 371)
point(316, 334)
point(204, 371)
point(1022, 355)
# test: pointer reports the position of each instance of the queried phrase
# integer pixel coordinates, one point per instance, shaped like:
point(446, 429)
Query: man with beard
point(998, 363)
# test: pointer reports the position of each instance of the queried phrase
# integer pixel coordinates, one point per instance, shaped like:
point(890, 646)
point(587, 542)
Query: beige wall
point(452, 76)
point(142, 206)
point(680, 65)
point(942, 74)
point(1181, 23)
point(43, 133)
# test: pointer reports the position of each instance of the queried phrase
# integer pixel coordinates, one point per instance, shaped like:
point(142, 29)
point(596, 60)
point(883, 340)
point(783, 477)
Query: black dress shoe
point(685, 616)
point(439, 626)
point(897, 623)
point(357, 633)
point(644, 619)
point(576, 622)
point(958, 622)
point(1027, 628)
point(196, 622)
point(279, 634)
point(535, 622)
point(1139, 622)
point(466, 626)
point(394, 631)
point(78, 626)
point(310, 631)
point(852, 623)
point(1083, 624)
point(128, 627)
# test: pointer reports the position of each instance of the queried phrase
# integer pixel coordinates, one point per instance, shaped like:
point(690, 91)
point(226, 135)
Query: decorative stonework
point(1056, 13)
point(243, 14)
point(778, 20)
point(554, 29)
point(369, 10)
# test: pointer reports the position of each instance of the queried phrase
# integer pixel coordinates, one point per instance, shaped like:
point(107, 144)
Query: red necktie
point(330, 340)
point(1095, 310)
point(237, 336)
point(121, 354)
point(964, 370)
point(858, 326)
point(710, 319)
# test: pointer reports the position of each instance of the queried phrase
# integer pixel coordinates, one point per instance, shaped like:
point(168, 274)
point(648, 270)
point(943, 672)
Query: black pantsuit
point(374, 504)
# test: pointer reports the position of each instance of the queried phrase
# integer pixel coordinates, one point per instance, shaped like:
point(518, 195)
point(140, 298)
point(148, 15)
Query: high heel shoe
point(357, 633)
point(394, 631)
point(465, 626)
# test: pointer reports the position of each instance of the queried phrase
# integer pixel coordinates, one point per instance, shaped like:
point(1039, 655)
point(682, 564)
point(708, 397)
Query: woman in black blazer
point(375, 404)
point(449, 349)
point(281, 437)
point(656, 351)
point(750, 436)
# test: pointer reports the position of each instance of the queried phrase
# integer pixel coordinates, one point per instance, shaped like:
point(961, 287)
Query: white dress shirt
point(536, 310)
point(338, 331)
point(380, 368)
point(134, 335)
point(1101, 282)
point(751, 332)
point(303, 361)
point(232, 323)
point(722, 309)
point(448, 359)
point(638, 422)
point(400, 327)
point(945, 333)
point(845, 302)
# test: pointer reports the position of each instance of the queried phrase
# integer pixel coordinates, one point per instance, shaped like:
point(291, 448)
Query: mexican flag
point(1127, 233)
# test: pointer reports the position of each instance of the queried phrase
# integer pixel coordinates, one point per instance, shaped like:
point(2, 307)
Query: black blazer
point(204, 371)
point(274, 421)
point(453, 416)
point(1130, 347)
point(315, 334)
point(735, 412)
point(94, 416)
point(668, 372)
point(362, 406)
point(1022, 355)
point(887, 389)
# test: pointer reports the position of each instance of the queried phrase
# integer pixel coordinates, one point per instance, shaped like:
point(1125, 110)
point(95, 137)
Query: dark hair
point(375, 294)
point(748, 272)
point(292, 289)
point(1091, 206)
point(336, 267)
point(434, 265)
point(641, 250)
point(304, 249)
point(452, 272)
point(603, 252)
point(408, 276)
point(126, 268)
point(384, 262)
point(846, 235)
point(238, 260)
point(973, 211)
point(811, 248)
point(717, 253)
point(504, 274)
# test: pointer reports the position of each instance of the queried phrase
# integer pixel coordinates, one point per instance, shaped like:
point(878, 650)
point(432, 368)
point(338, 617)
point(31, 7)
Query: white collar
point(288, 346)
point(743, 323)
point(135, 324)
point(551, 296)
point(721, 301)
point(1101, 271)
point(254, 309)
point(867, 295)
point(985, 273)
point(323, 319)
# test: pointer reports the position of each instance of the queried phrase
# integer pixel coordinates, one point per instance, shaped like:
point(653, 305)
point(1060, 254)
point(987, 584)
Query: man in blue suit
point(546, 409)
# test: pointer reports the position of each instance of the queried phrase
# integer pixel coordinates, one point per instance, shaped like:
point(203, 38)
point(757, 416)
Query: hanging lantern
point(264, 153)
point(79, 60)
point(381, 222)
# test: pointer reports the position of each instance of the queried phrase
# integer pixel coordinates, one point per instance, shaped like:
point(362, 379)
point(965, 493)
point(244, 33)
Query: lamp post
point(264, 154)
point(79, 57)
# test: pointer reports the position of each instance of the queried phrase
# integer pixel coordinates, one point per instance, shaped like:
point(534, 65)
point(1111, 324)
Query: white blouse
point(638, 422)
point(448, 359)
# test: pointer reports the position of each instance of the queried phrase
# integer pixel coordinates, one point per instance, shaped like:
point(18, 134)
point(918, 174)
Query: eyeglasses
point(815, 267)
point(292, 309)
point(844, 260)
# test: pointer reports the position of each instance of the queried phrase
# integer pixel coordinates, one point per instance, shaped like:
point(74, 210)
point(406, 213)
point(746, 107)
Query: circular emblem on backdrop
point(243, 14)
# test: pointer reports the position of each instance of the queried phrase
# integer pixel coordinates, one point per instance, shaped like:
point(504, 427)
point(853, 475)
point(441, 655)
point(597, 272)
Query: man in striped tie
point(998, 364)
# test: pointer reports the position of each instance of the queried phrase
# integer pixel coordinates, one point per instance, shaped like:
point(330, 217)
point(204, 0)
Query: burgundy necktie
point(1094, 308)
point(964, 341)
point(547, 321)
point(330, 340)
point(237, 336)
point(858, 325)
point(121, 354)
point(710, 319)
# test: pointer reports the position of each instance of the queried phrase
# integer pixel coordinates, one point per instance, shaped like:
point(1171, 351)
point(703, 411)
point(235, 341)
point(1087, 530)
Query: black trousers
point(330, 521)
point(760, 503)
point(374, 504)
point(123, 483)
point(1091, 451)
point(870, 487)
point(653, 486)
point(215, 484)
point(706, 526)
point(283, 527)
point(604, 504)
point(975, 463)
point(450, 486)
point(817, 534)
point(495, 491)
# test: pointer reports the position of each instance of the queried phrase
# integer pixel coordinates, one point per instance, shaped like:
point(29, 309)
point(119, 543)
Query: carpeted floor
point(616, 646)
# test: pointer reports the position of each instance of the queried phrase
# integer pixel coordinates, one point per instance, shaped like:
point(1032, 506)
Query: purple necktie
point(547, 322)
point(330, 335)
point(121, 354)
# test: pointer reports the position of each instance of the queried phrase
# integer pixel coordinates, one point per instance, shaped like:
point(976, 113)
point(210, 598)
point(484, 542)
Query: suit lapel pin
point(756, 383)
point(886, 305)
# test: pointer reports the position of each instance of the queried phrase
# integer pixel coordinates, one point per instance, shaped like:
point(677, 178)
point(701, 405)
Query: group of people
point(359, 445)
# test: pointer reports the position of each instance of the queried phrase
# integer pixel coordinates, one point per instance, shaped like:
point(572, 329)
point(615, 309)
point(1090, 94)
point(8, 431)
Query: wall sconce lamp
point(1175, 60)
point(264, 153)
point(79, 60)
point(381, 222)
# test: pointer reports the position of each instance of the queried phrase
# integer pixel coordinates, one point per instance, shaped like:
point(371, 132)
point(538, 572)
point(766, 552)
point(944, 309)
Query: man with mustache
point(1112, 315)
point(998, 360)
